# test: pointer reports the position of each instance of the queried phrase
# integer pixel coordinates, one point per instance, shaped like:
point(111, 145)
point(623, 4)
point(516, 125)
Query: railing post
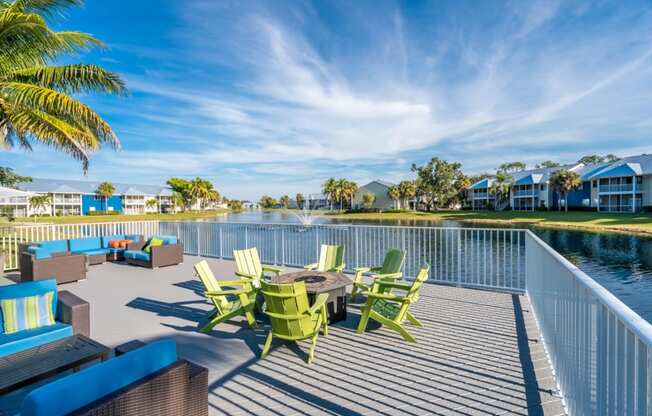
point(357, 254)
point(459, 257)
point(198, 240)
point(283, 246)
point(221, 244)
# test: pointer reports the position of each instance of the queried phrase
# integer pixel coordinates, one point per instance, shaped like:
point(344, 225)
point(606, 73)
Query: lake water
point(621, 263)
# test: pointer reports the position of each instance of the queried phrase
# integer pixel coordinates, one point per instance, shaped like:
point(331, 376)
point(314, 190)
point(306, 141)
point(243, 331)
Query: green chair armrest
point(339, 268)
point(362, 269)
point(395, 285)
point(397, 275)
point(319, 302)
point(387, 296)
point(376, 269)
point(239, 282)
point(311, 266)
point(276, 270)
point(213, 293)
point(246, 275)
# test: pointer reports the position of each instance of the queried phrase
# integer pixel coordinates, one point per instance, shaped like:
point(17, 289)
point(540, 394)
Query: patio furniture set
point(301, 304)
point(67, 260)
point(45, 339)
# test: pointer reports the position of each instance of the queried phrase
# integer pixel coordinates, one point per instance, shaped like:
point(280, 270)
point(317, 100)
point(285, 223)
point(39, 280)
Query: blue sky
point(274, 97)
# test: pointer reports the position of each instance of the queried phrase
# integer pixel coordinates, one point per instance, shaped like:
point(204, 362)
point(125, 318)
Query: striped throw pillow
point(27, 313)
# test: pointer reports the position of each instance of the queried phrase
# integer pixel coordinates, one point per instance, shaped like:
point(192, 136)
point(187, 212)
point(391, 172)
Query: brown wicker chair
point(64, 267)
point(165, 255)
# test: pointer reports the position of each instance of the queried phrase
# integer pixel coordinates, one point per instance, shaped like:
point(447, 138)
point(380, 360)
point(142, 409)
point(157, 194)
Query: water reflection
point(621, 263)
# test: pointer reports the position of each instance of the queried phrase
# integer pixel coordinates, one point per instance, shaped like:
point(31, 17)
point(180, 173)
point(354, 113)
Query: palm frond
point(71, 78)
point(21, 95)
point(46, 7)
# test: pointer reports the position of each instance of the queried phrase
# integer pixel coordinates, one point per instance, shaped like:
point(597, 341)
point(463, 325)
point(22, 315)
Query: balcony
point(529, 193)
point(480, 195)
point(544, 329)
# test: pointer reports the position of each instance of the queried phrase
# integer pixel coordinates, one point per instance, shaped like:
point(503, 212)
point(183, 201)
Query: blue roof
point(618, 169)
point(531, 179)
point(482, 184)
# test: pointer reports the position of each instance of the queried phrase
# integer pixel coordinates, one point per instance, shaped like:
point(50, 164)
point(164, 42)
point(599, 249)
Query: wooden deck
point(478, 352)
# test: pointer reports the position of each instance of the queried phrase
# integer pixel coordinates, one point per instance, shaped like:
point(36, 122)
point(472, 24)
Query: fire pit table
point(322, 282)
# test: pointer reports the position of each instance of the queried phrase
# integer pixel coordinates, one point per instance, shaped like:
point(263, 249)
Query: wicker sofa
point(149, 380)
point(50, 259)
point(71, 312)
point(168, 254)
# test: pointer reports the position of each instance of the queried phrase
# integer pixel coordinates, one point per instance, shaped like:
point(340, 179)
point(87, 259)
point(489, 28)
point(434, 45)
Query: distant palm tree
point(301, 200)
point(39, 201)
point(563, 182)
point(105, 190)
point(407, 190)
point(368, 200)
point(394, 192)
point(284, 201)
point(501, 186)
point(329, 189)
point(350, 189)
point(36, 98)
point(151, 203)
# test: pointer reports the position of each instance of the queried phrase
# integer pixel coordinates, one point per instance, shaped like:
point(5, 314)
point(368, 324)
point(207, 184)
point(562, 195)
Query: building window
point(595, 184)
point(639, 180)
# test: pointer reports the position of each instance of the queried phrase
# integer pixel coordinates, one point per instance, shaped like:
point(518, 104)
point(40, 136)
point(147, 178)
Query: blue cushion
point(22, 340)
point(107, 238)
point(21, 290)
point(167, 239)
point(90, 243)
point(39, 252)
point(116, 250)
point(97, 381)
point(93, 251)
point(55, 246)
point(137, 255)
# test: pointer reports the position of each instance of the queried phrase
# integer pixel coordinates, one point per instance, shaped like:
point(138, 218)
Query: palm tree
point(368, 200)
point(39, 201)
point(394, 192)
point(36, 103)
point(350, 188)
point(407, 190)
point(105, 190)
point(301, 200)
point(329, 189)
point(501, 186)
point(151, 203)
point(284, 201)
point(202, 190)
point(563, 182)
point(178, 201)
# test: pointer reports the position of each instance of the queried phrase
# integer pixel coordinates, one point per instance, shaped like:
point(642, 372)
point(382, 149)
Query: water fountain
point(306, 216)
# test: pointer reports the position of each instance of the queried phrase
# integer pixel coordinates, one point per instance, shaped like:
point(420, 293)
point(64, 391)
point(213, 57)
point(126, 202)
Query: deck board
point(478, 353)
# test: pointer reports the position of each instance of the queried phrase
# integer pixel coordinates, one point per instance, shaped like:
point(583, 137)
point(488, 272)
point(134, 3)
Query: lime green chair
point(248, 265)
point(224, 308)
point(389, 271)
point(386, 306)
point(291, 315)
point(331, 259)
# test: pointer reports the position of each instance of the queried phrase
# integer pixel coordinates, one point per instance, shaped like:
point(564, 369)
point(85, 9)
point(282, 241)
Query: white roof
point(13, 193)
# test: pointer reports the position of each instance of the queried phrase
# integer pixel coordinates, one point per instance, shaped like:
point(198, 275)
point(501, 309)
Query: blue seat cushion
point(116, 250)
point(92, 251)
point(39, 252)
point(90, 243)
point(167, 239)
point(22, 340)
point(137, 255)
point(108, 238)
point(54, 246)
point(21, 290)
point(97, 381)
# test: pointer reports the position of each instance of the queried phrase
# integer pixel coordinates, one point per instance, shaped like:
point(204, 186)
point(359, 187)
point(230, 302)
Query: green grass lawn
point(76, 219)
point(631, 223)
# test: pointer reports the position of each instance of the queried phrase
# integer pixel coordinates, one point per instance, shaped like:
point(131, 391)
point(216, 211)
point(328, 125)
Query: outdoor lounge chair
point(248, 265)
point(331, 259)
point(390, 308)
point(389, 271)
point(224, 308)
point(291, 315)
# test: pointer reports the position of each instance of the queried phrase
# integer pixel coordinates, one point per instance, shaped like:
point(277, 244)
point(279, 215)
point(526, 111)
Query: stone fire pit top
point(316, 282)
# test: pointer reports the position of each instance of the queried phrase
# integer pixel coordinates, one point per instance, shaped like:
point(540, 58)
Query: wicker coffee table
point(26, 367)
point(323, 282)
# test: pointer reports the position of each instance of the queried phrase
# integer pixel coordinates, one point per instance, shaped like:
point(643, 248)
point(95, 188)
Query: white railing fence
point(11, 236)
point(600, 349)
point(472, 257)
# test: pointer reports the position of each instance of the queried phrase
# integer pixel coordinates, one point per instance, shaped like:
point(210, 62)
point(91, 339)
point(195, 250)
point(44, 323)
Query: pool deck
point(479, 352)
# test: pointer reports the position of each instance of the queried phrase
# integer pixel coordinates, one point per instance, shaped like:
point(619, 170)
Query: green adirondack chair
point(224, 308)
point(291, 315)
point(248, 265)
point(390, 308)
point(331, 259)
point(389, 271)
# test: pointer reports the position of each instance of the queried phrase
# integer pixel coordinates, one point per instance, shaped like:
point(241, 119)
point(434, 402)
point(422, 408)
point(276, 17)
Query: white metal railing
point(600, 349)
point(11, 236)
point(523, 192)
point(622, 187)
point(472, 257)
